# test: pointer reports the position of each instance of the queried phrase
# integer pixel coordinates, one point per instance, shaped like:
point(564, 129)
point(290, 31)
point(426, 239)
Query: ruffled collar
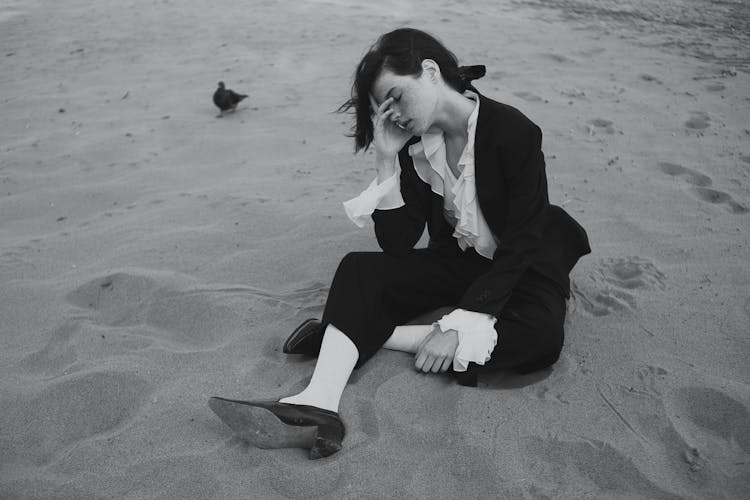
point(431, 165)
point(432, 144)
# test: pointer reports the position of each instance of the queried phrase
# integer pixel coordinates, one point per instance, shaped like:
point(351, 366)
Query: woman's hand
point(388, 137)
point(435, 353)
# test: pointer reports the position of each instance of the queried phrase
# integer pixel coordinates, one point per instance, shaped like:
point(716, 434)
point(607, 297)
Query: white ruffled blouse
point(476, 333)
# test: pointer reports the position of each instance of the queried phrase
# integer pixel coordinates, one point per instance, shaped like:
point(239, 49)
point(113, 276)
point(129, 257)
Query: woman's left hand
point(435, 353)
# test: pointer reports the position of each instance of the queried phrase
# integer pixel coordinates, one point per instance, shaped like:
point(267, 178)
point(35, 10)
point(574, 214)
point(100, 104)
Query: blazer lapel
point(487, 170)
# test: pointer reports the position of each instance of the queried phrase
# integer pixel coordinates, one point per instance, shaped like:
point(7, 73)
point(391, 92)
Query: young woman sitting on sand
point(487, 293)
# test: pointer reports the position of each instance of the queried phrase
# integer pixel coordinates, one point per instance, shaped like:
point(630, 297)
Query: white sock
point(336, 360)
point(407, 338)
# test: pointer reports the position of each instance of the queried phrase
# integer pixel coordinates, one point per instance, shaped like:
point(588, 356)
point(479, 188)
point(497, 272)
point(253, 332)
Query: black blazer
point(511, 188)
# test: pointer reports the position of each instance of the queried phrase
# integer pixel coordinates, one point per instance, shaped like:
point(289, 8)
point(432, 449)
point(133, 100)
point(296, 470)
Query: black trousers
point(373, 292)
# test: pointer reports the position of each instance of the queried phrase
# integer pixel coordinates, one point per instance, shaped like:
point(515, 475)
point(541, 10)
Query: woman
point(489, 291)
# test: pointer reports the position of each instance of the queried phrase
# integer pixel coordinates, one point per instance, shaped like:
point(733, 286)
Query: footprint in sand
point(698, 120)
point(615, 282)
point(528, 96)
point(631, 273)
point(649, 78)
point(715, 87)
point(557, 57)
point(691, 176)
point(719, 197)
point(700, 189)
point(745, 158)
point(601, 125)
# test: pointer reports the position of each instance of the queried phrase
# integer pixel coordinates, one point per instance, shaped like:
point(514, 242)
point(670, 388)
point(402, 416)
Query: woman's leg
point(336, 360)
point(530, 327)
point(406, 338)
point(371, 293)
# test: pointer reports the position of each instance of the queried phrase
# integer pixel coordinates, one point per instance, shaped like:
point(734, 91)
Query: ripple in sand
point(577, 466)
point(716, 413)
point(57, 354)
point(172, 310)
point(290, 479)
point(693, 432)
point(168, 477)
point(38, 425)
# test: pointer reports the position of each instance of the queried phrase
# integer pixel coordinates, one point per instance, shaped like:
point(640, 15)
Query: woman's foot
point(272, 424)
point(305, 339)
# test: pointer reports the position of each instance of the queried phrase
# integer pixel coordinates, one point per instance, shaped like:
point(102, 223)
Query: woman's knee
point(355, 258)
point(369, 262)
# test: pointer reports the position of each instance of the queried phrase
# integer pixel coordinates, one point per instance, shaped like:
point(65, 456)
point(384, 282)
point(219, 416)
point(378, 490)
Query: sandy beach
point(153, 255)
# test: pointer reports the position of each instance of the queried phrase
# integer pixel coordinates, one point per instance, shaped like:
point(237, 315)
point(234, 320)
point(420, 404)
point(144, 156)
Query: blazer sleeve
point(398, 230)
point(522, 159)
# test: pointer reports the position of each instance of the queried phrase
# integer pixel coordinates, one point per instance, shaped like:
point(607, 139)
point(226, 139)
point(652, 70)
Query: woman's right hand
point(388, 138)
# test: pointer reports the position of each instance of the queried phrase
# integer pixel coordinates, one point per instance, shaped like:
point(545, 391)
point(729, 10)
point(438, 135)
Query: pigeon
point(226, 99)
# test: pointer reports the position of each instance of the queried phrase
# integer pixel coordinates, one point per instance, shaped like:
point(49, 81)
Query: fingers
point(379, 120)
point(376, 109)
point(420, 360)
point(429, 363)
point(437, 364)
point(447, 362)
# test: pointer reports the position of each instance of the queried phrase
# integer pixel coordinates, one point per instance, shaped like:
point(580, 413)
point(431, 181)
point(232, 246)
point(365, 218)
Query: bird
point(226, 99)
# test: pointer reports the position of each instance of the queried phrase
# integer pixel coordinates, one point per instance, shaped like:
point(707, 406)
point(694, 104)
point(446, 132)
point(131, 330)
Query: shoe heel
point(328, 440)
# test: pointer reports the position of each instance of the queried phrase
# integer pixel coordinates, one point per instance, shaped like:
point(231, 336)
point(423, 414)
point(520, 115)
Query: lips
point(403, 125)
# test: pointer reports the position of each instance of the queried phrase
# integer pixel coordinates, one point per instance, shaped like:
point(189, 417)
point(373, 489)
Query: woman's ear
point(432, 69)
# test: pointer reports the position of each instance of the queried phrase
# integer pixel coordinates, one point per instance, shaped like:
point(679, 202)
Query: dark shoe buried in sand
point(271, 424)
point(305, 339)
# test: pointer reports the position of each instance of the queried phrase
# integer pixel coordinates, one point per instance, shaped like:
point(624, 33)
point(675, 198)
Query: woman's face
point(415, 98)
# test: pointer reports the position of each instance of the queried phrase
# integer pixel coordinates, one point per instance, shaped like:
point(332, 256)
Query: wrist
point(449, 331)
point(386, 167)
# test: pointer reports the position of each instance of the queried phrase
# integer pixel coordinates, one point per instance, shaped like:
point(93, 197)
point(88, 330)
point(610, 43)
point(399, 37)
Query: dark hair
point(402, 52)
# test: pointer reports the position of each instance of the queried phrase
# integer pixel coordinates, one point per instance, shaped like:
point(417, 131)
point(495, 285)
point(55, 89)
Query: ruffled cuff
point(383, 196)
point(477, 337)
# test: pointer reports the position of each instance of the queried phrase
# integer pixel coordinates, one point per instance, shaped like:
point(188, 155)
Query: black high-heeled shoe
point(305, 339)
point(271, 424)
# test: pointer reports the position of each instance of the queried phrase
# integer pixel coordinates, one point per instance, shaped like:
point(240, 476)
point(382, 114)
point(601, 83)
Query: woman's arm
point(528, 203)
point(399, 229)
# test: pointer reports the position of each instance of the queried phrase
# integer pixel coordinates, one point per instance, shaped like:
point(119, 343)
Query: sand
point(152, 255)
